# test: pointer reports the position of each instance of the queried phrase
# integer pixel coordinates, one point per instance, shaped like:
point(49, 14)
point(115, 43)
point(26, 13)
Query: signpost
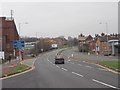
point(19, 44)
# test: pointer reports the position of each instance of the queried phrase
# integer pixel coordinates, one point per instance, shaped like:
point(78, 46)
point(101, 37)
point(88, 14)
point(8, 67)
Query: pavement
point(9, 66)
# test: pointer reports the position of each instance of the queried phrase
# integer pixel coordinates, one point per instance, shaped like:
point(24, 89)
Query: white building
point(114, 44)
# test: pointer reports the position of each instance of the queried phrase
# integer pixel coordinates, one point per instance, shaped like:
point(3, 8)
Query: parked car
point(59, 59)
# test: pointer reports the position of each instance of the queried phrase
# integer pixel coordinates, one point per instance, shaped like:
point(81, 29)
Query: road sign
point(19, 44)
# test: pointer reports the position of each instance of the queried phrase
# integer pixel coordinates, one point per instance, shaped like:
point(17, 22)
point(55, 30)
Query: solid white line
point(54, 64)
point(89, 66)
point(77, 74)
point(57, 66)
point(104, 83)
point(102, 69)
point(64, 69)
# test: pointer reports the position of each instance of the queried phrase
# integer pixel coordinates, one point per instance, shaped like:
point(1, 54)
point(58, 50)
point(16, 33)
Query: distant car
point(59, 59)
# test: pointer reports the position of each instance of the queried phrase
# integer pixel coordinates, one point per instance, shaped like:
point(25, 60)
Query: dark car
point(59, 59)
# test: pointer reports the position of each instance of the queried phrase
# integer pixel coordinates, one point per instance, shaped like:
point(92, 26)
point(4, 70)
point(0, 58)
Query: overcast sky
point(52, 19)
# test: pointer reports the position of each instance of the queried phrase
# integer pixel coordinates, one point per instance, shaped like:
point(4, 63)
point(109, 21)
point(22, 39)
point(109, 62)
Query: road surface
point(72, 74)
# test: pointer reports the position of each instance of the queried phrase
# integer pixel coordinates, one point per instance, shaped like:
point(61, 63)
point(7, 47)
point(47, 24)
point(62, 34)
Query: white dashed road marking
point(57, 66)
point(104, 84)
point(80, 65)
point(77, 74)
point(68, 60)
point(64, 69)
point(72, 63)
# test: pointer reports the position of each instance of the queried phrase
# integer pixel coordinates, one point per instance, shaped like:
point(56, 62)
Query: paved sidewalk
point(8, 67)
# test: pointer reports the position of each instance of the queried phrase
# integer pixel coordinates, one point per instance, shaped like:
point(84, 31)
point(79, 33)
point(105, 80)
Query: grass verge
point(19, 68)
point(111, 64)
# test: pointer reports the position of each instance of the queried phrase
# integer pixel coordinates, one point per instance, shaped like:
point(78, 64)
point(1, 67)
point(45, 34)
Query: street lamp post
point(19, 38)
point(1, 38)
point(36, 44)
point(106, 32)
point(41, 43)
point(1, 46)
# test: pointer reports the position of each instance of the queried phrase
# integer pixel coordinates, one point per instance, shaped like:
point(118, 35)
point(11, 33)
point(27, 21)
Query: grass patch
point(60, 52)
point(111, 64)
point(19, 68)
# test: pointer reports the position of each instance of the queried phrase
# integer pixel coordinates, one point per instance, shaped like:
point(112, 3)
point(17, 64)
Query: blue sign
point(19, 44)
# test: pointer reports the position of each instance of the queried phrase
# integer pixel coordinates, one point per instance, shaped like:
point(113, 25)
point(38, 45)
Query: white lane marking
point(83, 61)
point(88, 66)
point(57, 66)
point(71, 55)
point(48, 60)
point(80, 65)
point(54, 64)
point(102, 69)
point(104, 83)
point(64, 69)
point(77, 74)
point(69, 60)
point(72, 63)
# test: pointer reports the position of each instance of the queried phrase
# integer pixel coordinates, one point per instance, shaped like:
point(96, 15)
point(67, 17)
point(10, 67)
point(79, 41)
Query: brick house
point(84, 43)
point(102, 45)
point(9, 34)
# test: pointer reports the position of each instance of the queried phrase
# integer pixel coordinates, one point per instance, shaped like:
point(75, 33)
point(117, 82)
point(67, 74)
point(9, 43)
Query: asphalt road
point(72, 74)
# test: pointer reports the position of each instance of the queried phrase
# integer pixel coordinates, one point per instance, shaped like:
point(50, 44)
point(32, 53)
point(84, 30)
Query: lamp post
point(106, 32)
point(1, 45)
point(41, 44)
point(20, 28)
point(19, 37)
point(1, 38)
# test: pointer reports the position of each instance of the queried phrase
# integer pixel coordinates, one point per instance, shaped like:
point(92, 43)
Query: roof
point(85, 38)
point(82, 38)
point(104, 39)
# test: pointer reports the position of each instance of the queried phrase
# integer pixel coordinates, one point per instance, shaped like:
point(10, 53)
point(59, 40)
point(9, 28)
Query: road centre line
point(57, 66)
point(77, 74)
point(72, 63)
point(104, 84)
point(64, 69)
point(80, 65)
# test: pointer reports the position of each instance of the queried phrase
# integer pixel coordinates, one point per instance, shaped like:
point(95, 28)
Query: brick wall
point(9, 34)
